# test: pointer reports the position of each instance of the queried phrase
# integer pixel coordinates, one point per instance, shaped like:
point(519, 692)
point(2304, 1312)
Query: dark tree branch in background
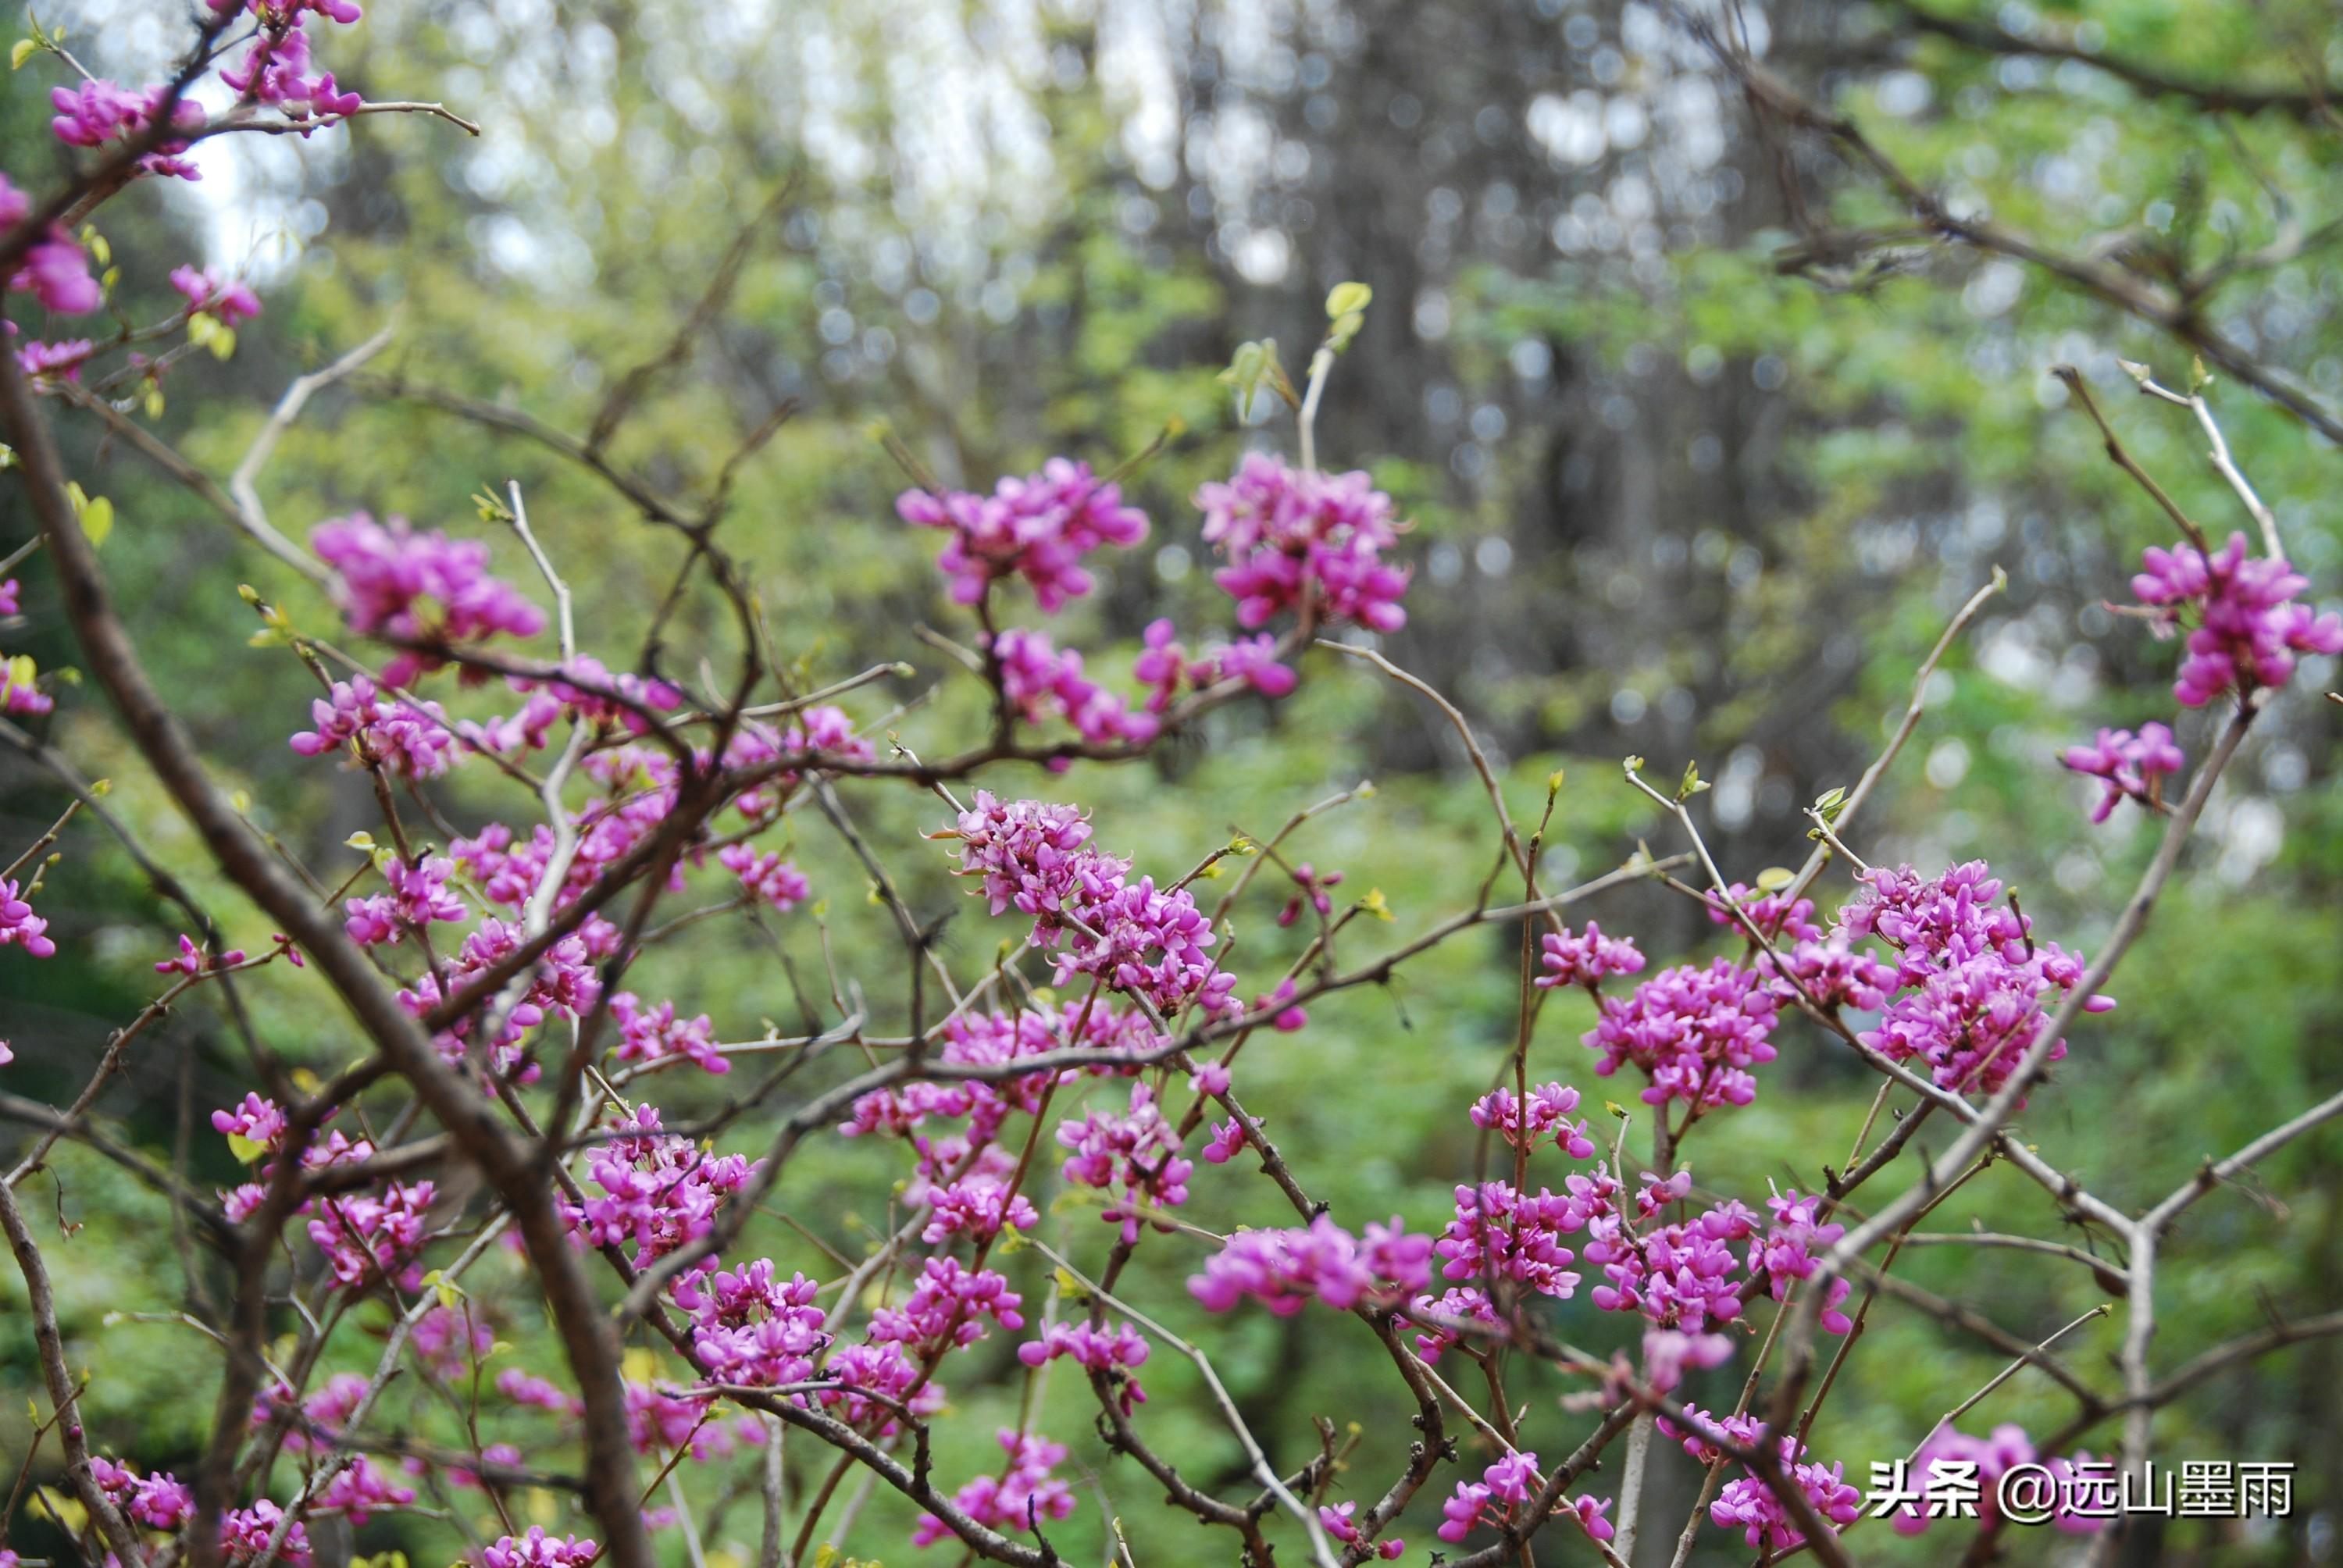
point(2181, 310)
point(2312, 106)
point(63, 1395)
point(591, 1346)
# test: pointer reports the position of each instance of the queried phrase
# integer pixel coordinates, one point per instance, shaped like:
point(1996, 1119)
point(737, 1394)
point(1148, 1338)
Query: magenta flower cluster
point(54, 271)
point(1038, 528)
point(1015, 1501)
point(1547, 1118)
point(374, 1238)
point(1297, 540)
point(1113, 1354)
point(1286, 1271)
point(1980, 987)
point(750, 1327)
point(418, 895)
point(2131, 767)
point(1694, 1032)
point(658, 1191)
point(1148, 943)
point(1993, 1456)
point(1041, 682)
point(1340, 1522)
point(1134, 1157)
point(2246, 629)
point(1505, 1487)
point(539, 1550)
point(20, 926)
point(230, 302)
point(1749, 1505)
point(1165, 668)
point(420, 589)
point(96, 112)
point(648, 1034)
point(1586, 958)
point(275, 69)
point(409, 737)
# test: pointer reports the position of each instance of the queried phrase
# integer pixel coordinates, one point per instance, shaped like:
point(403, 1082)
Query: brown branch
point(50, 1345)
point(591, 1346)
point(2149, 81)
point(630, 387)
point(2180, 312)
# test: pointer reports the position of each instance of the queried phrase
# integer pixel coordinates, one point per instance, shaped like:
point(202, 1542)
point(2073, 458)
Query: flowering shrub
point(1103, 1053)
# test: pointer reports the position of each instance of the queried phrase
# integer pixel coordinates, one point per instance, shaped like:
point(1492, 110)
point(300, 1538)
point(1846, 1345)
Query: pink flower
point(1499, 1231)
point(1114, 1354)
point(1694, 1032)
point(1297, 540)
point(1286, 1270)
point(418, 895)
point(1227, 1139)
point(2248, 628)
point(56, 272)
point(1012, 1502)
point(658, 1191)
point(230, 302)
point(1039, 683)
point(191, 960)
point(1502, 1487)
point(1750, 1504)
point(1139, 1153)
point(1585, 960)
point(1251, 660)
point(1161, 665)
point(2130, 766)
point(524, 1388)
point(1982, 987)
point(1038, 528)
point(409, 737)
point(1667, 1352)
point(414, 587)
point(979, 1207)
point(61, 359)
point(766, 877)
point(1143, 941)
point(1339, 1523)
point(273, 71)
point(1285, 1014)
point(371, 1240)
point(655, 1034)
point(158, 1499)
point(19, 925)
point(751, 1327)
point(1787, 1254)
point(586, 690)
point(539, 1550)
point(1769, 912)
point(360, 1489)
point(1310, 888)
point(256, 1121)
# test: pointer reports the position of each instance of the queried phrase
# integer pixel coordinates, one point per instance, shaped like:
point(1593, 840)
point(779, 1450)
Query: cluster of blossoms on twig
point(2246, 629)
point(157, 127)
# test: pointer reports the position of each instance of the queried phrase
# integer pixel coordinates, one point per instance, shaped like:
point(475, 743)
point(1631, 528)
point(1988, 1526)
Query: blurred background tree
point(1705, 427)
